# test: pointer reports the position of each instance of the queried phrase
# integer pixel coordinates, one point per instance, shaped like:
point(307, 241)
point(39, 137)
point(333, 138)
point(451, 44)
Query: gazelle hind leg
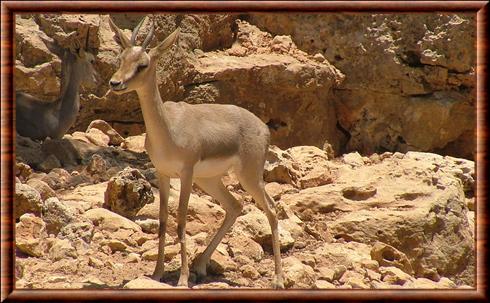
point(254, 185)
point(215, 188)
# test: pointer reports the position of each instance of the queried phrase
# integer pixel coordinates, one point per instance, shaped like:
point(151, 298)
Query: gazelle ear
point(52, 46)
point(119, 36)
point(169, 41)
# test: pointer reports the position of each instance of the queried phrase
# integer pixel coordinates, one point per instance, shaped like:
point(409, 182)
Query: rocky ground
point(86, 208)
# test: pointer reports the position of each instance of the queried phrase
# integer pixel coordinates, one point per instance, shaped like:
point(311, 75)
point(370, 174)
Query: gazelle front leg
point(164, 185)
point(185, 191)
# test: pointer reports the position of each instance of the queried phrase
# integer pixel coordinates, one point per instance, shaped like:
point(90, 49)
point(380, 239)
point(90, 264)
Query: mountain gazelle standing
point(37, 119)
point(196, 143)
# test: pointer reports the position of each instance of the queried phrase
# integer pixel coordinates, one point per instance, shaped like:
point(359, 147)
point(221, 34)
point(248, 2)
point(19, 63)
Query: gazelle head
point(75, 57)
point(135, 63)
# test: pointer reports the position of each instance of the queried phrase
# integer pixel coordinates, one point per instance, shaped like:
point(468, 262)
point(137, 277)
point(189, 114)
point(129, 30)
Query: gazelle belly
point(215, 167)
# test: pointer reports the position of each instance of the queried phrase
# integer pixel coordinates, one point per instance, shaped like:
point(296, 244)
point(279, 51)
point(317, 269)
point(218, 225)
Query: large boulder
point(419, 210)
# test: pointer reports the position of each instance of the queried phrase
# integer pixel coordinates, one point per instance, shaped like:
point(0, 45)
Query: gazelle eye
point(141, 67)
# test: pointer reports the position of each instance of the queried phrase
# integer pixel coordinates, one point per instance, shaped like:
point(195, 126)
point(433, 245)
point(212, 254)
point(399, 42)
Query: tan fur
point(196, 143)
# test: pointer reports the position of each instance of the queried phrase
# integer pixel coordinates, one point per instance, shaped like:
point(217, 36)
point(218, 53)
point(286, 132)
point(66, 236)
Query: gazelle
point(37, 119)
point(196, 143)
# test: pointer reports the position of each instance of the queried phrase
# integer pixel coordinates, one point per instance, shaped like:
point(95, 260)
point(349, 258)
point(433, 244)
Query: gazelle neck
point(70, 98)
point(156, 121)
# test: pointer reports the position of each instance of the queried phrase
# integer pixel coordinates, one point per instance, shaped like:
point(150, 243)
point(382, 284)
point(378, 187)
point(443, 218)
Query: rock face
point(372, 83)
point(249, 75)
point(409, 78)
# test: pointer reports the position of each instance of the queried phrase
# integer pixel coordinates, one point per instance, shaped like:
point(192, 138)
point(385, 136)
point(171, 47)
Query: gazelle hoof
point(278, 283)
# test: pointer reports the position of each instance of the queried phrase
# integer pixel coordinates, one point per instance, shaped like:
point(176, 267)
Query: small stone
point(249, 271)
point(145, 283)
point(354, 159)
point(94, 282)
point(394, 275)
point(94, 262)
point(134, 258)
point(370, 264)
point(149, 225)
point(326, 273)
point(30, 234)
point(298, 274)
point(56, 279)
point(114, 137)
point(220, 264)
point(322, 284)
point(110, 221)
point(26, 200)
point(115, 245)
point(339, 272)
point(212, 285)
point(97, 137)
point(318, 57)
point(22, 170)
point(61, 249)
point(42, 188)
point(354, 279)
point(57, 214)
point(242, 245)
point(97, 166)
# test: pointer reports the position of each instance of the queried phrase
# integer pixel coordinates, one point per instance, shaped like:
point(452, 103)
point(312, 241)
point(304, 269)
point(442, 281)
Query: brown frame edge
point(9, 8)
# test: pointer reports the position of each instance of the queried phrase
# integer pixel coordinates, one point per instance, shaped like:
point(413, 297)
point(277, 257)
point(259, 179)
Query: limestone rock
point(242, 245)
point(394, 275)
point(420, 60)
point(78, 230)
point(57, 214)
point(114, 137)
point(322, 284)
point(61, 249)
point(49, 163)
point(145, 283)
point(22, 170)
point(256, 226)
point(297, 274)
point(387, 255)
point(97, 167)
point(110, 221)
point(249, 271)
point(149, 225)
point(354, 279)
point(30, 234)
point(220, 263)
point(42, 188)
point(26, 200)
point(413, 219)
point(127, 193)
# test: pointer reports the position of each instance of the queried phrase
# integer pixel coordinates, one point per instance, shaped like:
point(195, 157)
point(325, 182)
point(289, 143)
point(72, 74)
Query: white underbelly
point(215, 167)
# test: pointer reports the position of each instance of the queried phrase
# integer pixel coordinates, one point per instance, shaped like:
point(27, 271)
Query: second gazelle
point(196, 143)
